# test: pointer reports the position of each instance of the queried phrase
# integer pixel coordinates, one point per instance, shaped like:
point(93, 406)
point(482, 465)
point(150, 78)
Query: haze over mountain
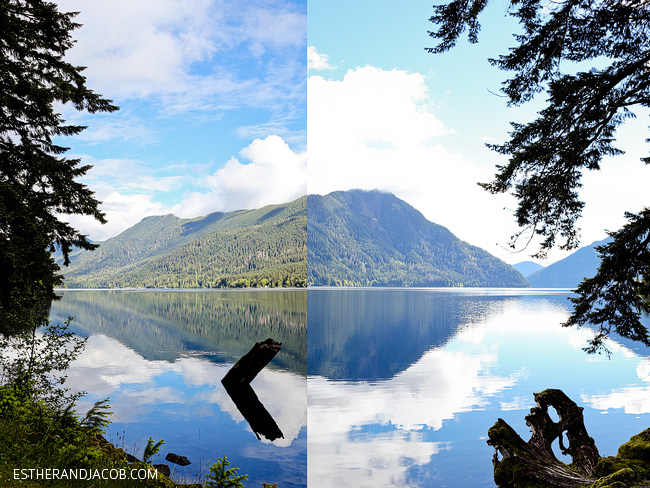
point(570, 271)
point(263, 247)
point(372, 238)
point(527, 267)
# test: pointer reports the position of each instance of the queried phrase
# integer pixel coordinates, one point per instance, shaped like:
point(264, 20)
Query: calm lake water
point(160, 357)
point(404, 384)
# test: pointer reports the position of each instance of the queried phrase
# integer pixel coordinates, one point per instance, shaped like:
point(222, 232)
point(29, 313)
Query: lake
point(404, 384)
point(160, 357)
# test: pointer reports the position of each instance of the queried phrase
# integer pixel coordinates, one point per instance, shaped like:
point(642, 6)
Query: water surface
point(404, 384)
point(160, 356)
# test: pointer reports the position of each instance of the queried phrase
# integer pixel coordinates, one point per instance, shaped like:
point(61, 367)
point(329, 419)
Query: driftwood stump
point(532, 462)
point(250, 364)
point(237, 383)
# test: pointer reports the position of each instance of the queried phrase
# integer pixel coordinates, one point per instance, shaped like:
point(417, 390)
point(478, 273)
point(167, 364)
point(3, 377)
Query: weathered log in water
point(251, 363)
point(237, 385)
point(533, 463)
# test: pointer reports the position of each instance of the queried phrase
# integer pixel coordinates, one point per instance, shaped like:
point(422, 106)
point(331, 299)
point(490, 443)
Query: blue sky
point(215, 103)
point(416, 124)
point(213, 106)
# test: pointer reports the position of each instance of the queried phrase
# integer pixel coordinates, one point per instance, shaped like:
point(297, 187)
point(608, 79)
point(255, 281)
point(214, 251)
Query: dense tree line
point(262, 248)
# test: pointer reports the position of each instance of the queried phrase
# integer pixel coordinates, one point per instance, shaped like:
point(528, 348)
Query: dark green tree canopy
point(37, 183)
point(573, 132)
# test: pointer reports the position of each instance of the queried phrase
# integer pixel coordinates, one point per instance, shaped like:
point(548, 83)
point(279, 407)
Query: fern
point(97, 416)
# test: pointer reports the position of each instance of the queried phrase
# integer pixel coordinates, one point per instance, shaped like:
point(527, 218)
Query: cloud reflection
point(372, 433)
point(632, 399)
point(440, 385)
point(138, 387)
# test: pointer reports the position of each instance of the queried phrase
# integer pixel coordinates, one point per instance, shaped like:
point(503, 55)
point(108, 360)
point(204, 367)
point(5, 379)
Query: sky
point(216, 101)
point(212, 98)
point(383, 113)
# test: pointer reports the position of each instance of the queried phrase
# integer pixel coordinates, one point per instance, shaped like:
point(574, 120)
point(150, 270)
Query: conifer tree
point(38, 184)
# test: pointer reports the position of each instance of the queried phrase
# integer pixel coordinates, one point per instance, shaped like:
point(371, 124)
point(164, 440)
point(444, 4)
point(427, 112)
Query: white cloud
point(137, 48)
point(122, 129)
point(376, 129)
point(181, 51)
point(492, 363)
point(269, 172)
point(316, 60)
point(274, 174)
point(126, 190)
point(621, 185)
point(632, 399)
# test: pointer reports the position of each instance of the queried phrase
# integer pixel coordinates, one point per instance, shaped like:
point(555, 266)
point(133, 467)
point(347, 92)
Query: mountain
point(263, 247)
point(372, 238)
point(527, 267)
point(570, 271)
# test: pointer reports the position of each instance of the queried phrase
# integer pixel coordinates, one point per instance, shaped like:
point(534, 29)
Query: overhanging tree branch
point(576, 129)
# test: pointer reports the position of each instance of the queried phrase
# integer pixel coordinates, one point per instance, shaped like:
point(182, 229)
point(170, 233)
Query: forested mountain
point(527, 267)
point(264, 247)
point(570, 271)
point(372, 238)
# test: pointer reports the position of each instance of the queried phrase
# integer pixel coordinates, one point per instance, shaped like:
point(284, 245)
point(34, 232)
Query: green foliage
point(97, 417)
point(361, 238)
point(222, 477)
point(37, 184)
point(35, 435)
point(38, 426)
point(247, 248)
point(151, 449)
point(629, 468)
point(36, 361)
point(572, 134)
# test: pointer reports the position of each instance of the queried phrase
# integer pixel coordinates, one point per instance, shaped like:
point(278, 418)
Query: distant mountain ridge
point(372, 238)
point(262, 247)
point(527, 267)
point(570, 271)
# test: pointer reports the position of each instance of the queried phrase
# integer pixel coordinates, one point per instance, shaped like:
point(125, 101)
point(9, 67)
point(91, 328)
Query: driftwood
point(237, 385)
point(534, 460)
point(533, 463)
point(245, 370)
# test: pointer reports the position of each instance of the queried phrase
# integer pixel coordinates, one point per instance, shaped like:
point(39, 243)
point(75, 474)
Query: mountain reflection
point(421, 419)
point(216, 325)
point(374, 334)
point(160, 357)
